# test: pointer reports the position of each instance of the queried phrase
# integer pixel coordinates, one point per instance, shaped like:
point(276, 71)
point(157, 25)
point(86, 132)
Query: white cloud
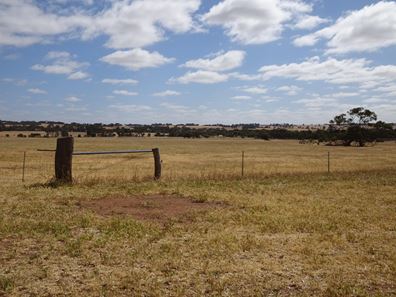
point(72, 99)
point(376, 100)
point(130, 108)
point(306, 40)
point(255, 90)
point(387, 90)
point(56, 69)
point(319, 102)
point(270, 99)
point(78, 75)
point(202, 77)
point(136, 59)
point(177, 108)
point(134, 24)
point(113, 81)
point(125, 93)
point(368, 29)
point(63, 63)
point(128, 24)
point(245, 77)
point(309, 22)
point(241, 98)
point(221, 62)
point(345, 94)
point(167, 93)
point(37, 91)
point(57, 55)
point(23, 23)
point(334, 71)
point(255, 21)
point(18, 82)
point(289, 90)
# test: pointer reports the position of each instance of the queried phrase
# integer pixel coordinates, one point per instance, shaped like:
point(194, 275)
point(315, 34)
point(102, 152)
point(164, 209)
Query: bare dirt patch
point(158, 208)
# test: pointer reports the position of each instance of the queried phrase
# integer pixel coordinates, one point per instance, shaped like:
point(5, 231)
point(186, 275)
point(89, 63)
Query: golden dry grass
point(190, 159)
point(289, 228)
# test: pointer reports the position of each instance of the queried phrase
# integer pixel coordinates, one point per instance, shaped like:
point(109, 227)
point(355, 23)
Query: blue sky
point(178, 61)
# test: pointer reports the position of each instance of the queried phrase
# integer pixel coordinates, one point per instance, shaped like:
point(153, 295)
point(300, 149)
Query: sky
point(192, 61)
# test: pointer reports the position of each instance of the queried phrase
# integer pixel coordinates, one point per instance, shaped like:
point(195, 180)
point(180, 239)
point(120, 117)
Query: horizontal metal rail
point(112, 152)
point(103, 153)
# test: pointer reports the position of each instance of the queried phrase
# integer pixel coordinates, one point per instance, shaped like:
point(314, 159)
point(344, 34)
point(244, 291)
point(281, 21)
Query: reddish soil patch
point(157, 208)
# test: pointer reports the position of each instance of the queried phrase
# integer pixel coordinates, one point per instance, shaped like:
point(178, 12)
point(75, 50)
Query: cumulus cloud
point(331, 70)
point(113, 81)
point(17, 82)
point(255, 90)
point(345, 94)
point(72, 99)
point(130, 108)
point(133, 24)
point(37, 91)
point(128, 24)
point(201, 77)
point(78, 75)
point(62, 63)
point(58, 55)
point(289, 90)
point(177, 108)
point(368, 29)
point(136, 59)
point(221, 61)
point(255, 21)
point(125, 93)
point(308, 22)
point(167, 93)
point(387, 90)
point(241, 98)
point(23, 23)
point(245, 77)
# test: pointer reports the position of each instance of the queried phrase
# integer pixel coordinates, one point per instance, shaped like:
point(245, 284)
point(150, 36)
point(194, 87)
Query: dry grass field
point(287, 228)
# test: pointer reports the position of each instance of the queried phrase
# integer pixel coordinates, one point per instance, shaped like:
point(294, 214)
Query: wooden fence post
point(243, 163)
point(328, 162)
point(157, 163)
point(23, 166)
point(63, 159)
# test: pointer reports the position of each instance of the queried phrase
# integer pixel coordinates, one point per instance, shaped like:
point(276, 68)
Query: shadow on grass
point(52, 183)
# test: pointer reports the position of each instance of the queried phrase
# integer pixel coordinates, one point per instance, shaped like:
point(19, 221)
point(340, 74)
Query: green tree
point(356, 119)
point(361, 116)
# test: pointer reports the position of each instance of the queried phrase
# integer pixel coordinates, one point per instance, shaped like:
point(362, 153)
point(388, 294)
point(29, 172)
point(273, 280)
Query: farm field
point(287, 228)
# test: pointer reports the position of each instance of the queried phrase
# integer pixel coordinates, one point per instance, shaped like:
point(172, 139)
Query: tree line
point(358, 126)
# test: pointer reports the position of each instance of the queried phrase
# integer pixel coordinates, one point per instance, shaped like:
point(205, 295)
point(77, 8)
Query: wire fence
point(32, 166)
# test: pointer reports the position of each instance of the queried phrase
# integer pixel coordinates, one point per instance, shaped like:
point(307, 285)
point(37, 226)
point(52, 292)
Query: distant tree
point(361, 116)
point(339, 119)
point(383, 125)
point(356, 118)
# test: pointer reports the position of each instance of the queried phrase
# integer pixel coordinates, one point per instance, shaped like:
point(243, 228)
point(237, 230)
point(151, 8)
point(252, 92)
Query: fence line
point(241, 163)
point(65, 151)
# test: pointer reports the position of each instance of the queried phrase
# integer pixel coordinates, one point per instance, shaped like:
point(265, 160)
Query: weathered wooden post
point(63, 159)
point(243, 163)
point(23, 166)
point(328, 162)
point(157, 163)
